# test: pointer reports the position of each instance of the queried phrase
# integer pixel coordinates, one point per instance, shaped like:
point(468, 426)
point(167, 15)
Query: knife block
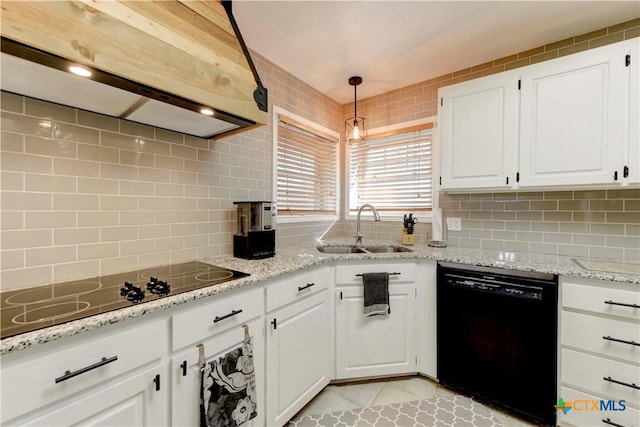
point(408, 239)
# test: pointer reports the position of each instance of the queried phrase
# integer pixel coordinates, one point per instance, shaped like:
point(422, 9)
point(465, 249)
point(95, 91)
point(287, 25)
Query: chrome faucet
point(376, 217)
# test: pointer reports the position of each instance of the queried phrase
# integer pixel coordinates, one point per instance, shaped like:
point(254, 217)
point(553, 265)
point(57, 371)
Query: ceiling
point(392, 44)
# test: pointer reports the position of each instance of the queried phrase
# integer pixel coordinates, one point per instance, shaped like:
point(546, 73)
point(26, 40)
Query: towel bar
point(390, 274)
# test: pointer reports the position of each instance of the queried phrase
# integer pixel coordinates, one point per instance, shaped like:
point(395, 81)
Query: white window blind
point(393, 173)
point(306, 171)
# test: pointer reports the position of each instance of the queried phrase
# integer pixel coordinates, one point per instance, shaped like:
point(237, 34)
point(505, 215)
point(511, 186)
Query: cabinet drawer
point(31, 384)
point(223, 312)
point(584, 415)
point(296, 287)
point(601, 299)
point(588, 372)
point(346, 274)
point(587, 332)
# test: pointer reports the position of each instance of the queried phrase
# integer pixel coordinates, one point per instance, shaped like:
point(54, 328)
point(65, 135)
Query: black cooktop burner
point(35, 308)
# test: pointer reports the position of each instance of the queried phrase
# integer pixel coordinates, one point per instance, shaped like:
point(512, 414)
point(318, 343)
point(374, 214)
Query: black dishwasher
point(497, 337)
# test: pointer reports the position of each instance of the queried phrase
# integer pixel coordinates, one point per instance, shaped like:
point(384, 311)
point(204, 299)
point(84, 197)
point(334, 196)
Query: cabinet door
point(426, 318)
point(298, 356)
point(186, 373)
point(478, 131)
point(375, 345)
point(573, 126)
point(132, 401)
point(633, 154)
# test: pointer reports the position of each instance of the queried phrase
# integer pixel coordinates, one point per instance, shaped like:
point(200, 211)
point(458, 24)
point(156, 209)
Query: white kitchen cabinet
point(574, 118)
point(299, 342)
point(633, 152)
point(375, 345)
point(426, 318)
point(600, 356)
point(567, 122)
point(478, 131)
point(218, 325)
point(133, 401)
point(186, 373)
point(98, 378)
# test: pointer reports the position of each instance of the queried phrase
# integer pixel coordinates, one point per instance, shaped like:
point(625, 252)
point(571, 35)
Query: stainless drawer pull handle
point(622, 304)
point(226, 316)
point(302, 288)
point(611, 423)
point(632, 385)
point(622, 341)
point(69, 374)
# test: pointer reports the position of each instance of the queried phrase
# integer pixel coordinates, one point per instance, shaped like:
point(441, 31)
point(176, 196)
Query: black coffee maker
point(255, 235)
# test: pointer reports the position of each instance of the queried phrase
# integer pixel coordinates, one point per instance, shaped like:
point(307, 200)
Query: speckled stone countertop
point(294, 259)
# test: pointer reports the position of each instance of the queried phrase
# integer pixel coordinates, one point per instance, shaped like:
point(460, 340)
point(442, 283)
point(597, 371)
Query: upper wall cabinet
point(574, 126)
point(568, 122)
point(478, 126)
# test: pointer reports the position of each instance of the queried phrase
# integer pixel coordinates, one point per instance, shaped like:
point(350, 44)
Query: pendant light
point(355, 130)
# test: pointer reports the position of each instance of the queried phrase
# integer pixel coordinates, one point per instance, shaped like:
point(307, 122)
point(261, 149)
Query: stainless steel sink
point(386, 249)
point(346, 249)
point(353, 249)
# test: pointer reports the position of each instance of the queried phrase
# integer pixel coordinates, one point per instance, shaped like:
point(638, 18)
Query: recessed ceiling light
point(207, 111)
point(81, 71)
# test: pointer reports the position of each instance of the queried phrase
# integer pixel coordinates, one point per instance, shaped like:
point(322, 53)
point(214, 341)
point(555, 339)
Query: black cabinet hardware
point(274, 322)
point(340, 294)
point(615, 175)
point(390, 274)
point(611, 423)
point(517, 176)
point(625, 172)
point(627, 60)
point(183, 365)
point(622, 341)
point(302, 288)
point(622, 304)
point(507, 180)
point(68, 374)
point(519, 84)
point(226, 316)
point(156, 381)
point(611, 380)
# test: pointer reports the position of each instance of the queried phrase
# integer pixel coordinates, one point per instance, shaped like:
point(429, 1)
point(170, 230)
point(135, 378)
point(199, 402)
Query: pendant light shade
point(354, 127)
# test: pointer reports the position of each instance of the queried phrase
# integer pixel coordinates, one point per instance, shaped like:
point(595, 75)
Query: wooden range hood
point(154, 62)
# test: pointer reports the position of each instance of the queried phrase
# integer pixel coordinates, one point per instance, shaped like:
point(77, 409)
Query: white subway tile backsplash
point(19, 162)
point(48, 256)
point(50, 219)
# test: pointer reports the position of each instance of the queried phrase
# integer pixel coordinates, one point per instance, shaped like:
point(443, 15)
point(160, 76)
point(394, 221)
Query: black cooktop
point(30, 309)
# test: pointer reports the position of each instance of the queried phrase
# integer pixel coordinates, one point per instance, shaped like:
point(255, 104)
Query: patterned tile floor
point(366, 394)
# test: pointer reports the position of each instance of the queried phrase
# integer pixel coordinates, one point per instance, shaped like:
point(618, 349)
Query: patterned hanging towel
point(229, 389)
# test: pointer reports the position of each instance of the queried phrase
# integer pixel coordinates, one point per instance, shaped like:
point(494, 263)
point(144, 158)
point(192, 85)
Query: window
point(306, 169)
point(393, 171)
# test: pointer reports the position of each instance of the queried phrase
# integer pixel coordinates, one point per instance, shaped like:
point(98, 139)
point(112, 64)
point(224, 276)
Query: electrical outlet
point(454, 224)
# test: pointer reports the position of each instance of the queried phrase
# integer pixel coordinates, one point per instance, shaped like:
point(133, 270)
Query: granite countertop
point(298, 258)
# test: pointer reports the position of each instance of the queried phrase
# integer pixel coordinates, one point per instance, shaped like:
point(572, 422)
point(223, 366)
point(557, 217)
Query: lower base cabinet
point(298, 356)
point(137, 400)
point(186, 374)
point(375, 345)
point(607, 413)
